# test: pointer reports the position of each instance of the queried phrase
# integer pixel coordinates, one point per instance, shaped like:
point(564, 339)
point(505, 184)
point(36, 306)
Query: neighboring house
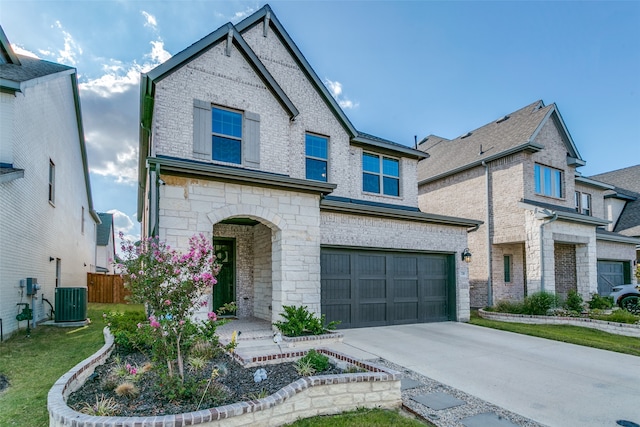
point(542, 219)
point(622, 208)
point(105, 244)
point(242, 142)
point(47, 221)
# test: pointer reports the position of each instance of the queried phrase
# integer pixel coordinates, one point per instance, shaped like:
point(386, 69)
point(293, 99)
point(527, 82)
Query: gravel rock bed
point(450, 417)
point(236, 384)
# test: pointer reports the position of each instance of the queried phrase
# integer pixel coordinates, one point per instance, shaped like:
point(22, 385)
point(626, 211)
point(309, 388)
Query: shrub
point(298, 321)
point(620, 316)
point(304, 367)
point(574, 302)
point(599, 302)
point(539, 303)
point(127, 389)
point(505, 306)
point(319, 361)
point(104, 407)
point(125, 330)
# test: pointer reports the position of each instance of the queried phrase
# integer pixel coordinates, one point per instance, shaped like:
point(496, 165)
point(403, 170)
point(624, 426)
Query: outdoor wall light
point(466, 255)
point(51, 258)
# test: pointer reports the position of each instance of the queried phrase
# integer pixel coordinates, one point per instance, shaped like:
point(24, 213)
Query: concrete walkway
point(553, 383)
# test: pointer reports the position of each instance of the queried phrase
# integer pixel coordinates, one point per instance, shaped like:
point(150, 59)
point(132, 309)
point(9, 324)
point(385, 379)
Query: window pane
point(577, 201)
point(370, 183)
point(391, 186)
point(557, 178)
point(226, 150)
point(390, 167)
point(227, 122)
point(547, 181)
point(507, 268)
point(370, 163)
point(316, 146)
point(316, 169)
point(538, 179)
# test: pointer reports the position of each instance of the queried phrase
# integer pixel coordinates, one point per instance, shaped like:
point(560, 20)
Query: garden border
point(306, 397)
point(627, 329)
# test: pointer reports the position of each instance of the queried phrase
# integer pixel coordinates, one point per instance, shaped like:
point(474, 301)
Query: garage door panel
point(610, 274)
point(374, 288)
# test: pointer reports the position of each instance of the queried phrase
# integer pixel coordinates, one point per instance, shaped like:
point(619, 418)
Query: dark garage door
point(376, 288)
point(612, 273)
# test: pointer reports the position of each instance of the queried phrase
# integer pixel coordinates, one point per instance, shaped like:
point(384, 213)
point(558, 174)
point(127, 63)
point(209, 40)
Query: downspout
point(489, 249)
point(553, 218)
point(156, 225)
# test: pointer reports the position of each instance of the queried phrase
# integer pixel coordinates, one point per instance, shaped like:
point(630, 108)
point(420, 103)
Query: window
point(380, 174)
point(507, 269)
point(583, 203)
point(52, 182)
point(227, 136)
point(548, 181)
point(316, 157)
point(82, 221)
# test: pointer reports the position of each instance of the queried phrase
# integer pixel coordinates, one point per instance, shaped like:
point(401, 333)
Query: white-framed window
point(548, 181)
point(52, 182)
point(82, 221)
point(583, 203)
point(380, 174)
point(316, 157)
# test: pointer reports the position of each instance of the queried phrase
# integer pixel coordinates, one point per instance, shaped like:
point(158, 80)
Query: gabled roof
point(105, 229)
point(627, 183)
point(509, 134)
point(18, 72)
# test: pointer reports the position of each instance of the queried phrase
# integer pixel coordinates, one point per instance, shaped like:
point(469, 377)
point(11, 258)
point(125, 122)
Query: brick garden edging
point(307, 397)
point(631, 330)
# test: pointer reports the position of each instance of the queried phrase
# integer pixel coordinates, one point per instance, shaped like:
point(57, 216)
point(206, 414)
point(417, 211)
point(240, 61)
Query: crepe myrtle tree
point(172, 286)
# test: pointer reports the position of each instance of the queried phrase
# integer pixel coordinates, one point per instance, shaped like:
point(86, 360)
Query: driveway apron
point(551, 382)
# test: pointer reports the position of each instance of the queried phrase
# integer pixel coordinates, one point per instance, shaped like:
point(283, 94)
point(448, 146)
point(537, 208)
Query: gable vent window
point(380, 174)
point(226, 135)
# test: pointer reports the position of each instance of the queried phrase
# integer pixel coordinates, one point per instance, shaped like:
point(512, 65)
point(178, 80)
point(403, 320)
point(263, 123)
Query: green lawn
point(362, 417)
point(566, 333)
point(33, 364)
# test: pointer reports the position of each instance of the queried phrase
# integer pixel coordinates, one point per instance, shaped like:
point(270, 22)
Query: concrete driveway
point(553, 383)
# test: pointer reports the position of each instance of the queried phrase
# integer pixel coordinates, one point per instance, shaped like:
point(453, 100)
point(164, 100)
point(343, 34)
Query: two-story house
point(47, 220)
point(242, 142)
point(543, 221)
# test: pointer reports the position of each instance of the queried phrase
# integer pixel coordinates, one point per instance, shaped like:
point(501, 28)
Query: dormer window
point(380, 174)
point(316, 152)
point(227, 135)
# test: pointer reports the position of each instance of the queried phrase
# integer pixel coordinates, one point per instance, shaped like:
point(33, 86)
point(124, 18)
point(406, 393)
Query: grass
point(362, 417)
point(566, 333)
point(33, 364)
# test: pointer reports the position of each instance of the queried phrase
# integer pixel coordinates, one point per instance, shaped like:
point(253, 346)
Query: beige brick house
point(543, 221)
point(242, 142)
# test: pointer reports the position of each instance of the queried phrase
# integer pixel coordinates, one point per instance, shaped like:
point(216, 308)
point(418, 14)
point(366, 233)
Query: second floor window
point(380, 174)
point(227, 135)
point(316, 152)
point(583, 203)
point(548, 181)
point(52, 181)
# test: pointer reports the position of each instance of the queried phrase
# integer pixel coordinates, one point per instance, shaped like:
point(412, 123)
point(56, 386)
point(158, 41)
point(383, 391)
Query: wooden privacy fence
point(106, 288)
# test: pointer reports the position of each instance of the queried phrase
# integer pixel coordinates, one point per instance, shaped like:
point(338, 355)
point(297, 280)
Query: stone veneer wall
point(307, 397)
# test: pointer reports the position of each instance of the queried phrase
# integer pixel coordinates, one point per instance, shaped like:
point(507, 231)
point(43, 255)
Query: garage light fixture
point(466, 255)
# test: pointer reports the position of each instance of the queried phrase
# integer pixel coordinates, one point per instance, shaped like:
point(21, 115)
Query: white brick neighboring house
point(543, 221)
point(105, 244)
point(47, 221)
point(242, 142)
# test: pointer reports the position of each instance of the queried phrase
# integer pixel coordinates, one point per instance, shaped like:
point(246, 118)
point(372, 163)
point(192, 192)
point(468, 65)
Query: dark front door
point(225, 290)
point(375, 288)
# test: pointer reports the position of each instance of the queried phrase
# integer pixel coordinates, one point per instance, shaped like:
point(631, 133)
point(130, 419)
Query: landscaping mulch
point(234, 384)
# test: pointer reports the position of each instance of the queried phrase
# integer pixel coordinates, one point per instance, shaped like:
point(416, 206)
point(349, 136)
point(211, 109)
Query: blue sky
point(398, 68)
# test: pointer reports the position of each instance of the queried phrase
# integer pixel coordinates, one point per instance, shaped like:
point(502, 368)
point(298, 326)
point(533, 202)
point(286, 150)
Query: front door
point(224, 291)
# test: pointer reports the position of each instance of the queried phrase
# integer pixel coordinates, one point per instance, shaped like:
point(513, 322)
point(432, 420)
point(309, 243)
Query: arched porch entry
point(248, 244)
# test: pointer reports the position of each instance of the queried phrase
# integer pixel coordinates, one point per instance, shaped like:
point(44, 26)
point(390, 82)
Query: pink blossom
point(167, 302)
point(212, 316)
point(153, 322)
point(181, 322)
point(139, 325)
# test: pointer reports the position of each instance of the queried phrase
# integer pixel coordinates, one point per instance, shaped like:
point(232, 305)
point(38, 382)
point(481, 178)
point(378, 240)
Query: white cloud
point(125, 224)
point(71, 49)
point(22, 51)
point(158, 55)
point(150, 20)
point(335, 88)
point(236, 16)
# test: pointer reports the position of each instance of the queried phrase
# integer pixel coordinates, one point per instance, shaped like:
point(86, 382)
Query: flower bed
point(631, 330)
point(306, 397)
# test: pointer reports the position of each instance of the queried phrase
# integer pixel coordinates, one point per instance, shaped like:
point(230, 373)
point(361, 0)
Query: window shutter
point(201, 129)
point(251, 139)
